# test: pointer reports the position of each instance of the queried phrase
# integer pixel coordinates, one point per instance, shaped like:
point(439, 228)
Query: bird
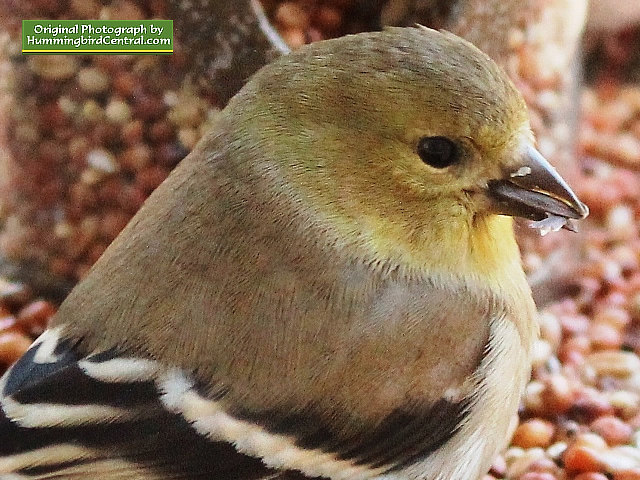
point(328, 286)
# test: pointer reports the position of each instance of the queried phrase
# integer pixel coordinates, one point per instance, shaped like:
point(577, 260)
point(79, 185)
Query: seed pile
point(580, 416)
point(88, 138)
point(22, 318)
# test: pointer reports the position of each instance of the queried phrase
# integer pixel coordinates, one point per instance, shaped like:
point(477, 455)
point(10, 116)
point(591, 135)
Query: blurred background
point(85, 139)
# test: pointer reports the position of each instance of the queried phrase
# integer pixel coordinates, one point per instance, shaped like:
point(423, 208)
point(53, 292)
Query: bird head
point(410, 140)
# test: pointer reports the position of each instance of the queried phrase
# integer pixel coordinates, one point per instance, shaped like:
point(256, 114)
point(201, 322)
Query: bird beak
point(533, 189)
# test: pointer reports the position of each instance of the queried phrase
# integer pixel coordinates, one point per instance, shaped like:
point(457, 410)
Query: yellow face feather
point(344, 138)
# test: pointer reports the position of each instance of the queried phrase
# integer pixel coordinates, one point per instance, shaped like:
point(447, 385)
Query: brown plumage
point(323, 287)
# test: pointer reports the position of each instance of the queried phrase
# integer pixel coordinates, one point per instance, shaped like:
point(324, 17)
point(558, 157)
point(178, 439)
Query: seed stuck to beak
point(534, 190)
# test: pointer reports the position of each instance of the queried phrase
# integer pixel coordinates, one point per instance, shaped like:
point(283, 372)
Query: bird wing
point(104, 416)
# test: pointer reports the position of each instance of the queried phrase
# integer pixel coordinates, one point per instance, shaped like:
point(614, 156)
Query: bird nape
point(327, 286)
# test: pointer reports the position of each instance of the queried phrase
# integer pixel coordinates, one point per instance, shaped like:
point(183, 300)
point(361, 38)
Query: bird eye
point(439, 152)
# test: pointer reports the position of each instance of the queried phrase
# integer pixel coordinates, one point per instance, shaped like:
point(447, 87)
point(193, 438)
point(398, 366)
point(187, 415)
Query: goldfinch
point(328, 286)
